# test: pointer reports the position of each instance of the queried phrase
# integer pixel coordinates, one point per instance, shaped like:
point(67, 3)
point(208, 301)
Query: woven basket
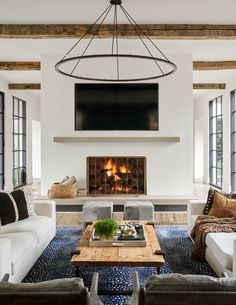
point(59, 191)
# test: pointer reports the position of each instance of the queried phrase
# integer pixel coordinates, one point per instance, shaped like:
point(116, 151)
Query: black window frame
point(19, 142)
point(233, 140)
point(216, 142)
point(2, 141)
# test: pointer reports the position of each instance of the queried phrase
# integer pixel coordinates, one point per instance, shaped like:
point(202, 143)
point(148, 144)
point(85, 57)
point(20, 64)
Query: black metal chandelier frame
point(115, 50)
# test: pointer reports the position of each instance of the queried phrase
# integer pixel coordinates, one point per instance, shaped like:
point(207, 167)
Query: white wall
point(199, 151)
point(36, 149)
point(32, 112)
point(169, 165)
point(201, 111)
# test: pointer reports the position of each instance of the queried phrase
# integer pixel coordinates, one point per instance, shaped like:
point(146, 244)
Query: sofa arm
point(196, 207)
point(93, 297)
point(45, 208)
point(234, 259)
point(5, 257)
point(5, 278)
point(134, 298)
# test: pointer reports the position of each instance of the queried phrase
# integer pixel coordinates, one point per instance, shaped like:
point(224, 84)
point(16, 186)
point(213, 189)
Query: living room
point(132, 169)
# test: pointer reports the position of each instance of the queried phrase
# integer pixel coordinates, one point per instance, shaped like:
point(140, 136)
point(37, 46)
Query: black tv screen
point(116, 107)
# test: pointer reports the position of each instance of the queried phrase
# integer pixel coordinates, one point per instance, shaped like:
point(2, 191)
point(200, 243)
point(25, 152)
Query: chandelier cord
point(86, 33)
point(138, 26)
point(113, 34)
point(140, 37)
point(94, 34)
point(117, 46)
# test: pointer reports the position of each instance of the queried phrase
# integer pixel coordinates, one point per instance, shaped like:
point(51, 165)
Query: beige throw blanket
point(208, 224)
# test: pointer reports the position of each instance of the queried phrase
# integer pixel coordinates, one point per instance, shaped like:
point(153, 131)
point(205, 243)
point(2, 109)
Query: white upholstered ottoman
point(139, 210)
point(96, 210)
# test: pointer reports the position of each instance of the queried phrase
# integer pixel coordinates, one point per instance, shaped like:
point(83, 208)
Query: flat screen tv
point(116, 106)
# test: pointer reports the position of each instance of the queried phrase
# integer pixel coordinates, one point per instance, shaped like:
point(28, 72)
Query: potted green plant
point(106, 228)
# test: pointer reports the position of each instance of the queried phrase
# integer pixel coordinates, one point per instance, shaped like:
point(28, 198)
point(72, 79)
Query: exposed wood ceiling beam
point(27, 86)
point(214, 65)
point(19, 65)
point(214, 86)
point(154, 31)
point(37, 86)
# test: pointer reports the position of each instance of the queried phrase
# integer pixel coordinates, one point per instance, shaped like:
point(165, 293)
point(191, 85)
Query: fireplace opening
point(116, 175)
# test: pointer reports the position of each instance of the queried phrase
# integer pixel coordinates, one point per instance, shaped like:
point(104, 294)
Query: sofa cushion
point(179, 282)
point(21, 203)
point(8, 209)
point(221, 244)
point(60, 285)
point(20, 244)
point(222, 206)
point(40, 225)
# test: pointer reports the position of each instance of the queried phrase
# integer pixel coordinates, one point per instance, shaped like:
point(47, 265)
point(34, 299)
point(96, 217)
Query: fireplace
point(116, 175)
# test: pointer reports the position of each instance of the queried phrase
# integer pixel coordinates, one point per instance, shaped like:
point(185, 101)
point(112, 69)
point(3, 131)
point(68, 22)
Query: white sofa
point(221, 247)
point(22, 242)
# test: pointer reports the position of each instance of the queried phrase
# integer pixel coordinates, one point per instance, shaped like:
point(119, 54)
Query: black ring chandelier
point(79, 63)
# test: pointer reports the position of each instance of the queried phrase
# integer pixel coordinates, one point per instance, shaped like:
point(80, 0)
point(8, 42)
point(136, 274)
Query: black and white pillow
point(21, 203)
point(13, 207)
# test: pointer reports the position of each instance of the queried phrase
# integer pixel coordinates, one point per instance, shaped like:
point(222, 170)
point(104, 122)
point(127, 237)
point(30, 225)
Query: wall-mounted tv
point(116, 106)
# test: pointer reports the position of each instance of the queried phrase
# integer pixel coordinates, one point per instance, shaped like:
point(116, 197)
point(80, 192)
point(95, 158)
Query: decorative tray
point(128, 235)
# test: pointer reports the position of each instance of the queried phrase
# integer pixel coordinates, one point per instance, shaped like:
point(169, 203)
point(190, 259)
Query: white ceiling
point(143, 11)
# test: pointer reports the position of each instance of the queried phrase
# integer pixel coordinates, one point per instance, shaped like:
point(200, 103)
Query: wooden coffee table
point(148, 256)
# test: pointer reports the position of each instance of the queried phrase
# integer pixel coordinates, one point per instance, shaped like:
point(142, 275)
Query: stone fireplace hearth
point(116, 175)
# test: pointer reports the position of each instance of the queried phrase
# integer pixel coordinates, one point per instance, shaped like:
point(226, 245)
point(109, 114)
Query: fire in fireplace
point(116, 175)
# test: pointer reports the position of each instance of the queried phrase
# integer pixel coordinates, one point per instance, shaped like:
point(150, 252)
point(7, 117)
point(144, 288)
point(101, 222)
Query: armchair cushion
point(179, 282)
point(60, 292)
point(59, 285)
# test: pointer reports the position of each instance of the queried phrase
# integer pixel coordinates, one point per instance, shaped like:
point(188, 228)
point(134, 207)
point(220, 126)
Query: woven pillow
point(222, 206)
point(209, 201)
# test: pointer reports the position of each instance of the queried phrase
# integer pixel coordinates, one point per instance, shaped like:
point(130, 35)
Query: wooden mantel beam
point(214, 65)
point(214, 86)
point(27, 86)
point(19, 65)
point(154, 31)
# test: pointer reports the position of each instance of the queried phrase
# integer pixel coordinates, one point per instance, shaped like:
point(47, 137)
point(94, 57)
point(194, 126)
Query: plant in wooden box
point(106, 228)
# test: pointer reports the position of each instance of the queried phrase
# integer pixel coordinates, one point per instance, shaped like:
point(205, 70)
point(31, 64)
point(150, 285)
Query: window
point(233, 140)
point(216, 142)
point(1, 140)
point(19, 142)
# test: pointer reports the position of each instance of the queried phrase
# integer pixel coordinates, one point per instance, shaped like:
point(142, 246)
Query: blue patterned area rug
point(54, 263)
